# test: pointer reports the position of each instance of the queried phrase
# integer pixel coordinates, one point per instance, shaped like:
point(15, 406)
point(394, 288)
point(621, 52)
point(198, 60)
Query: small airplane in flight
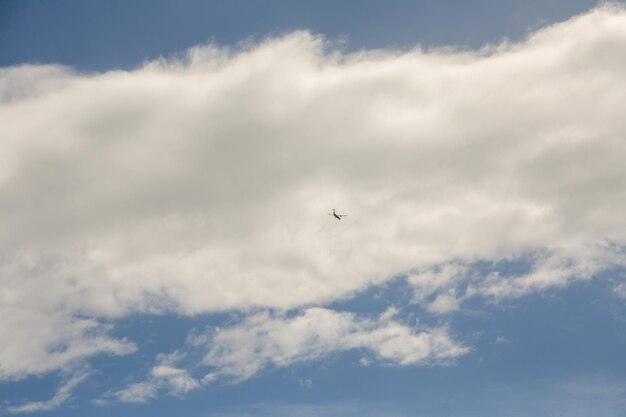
point(337, 216)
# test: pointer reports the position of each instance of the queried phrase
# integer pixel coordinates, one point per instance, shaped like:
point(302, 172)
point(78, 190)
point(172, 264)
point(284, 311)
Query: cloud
point(63, 394)
point(264, 339)
point(620, 290)
point(443, 288)
point(163, 377)
point(178, 380)
point(40, 340)
point(140, 392)
point(201, 184)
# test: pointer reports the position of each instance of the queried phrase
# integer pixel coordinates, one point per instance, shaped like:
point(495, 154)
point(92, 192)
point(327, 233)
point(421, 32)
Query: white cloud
point(163, 377)
point(439, 284)
point(178, 381)
point(620, 290)
point(140, 392)
point(63, 394)
point(444, 303)
point(265, 339)
point(202, 185)
point(43, 341)
point(443, 288)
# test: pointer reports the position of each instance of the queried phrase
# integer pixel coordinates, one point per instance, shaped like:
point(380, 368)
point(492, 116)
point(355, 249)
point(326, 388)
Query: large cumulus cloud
point(202, 183)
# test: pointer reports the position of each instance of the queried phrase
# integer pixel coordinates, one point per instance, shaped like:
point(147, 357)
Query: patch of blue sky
point(120, 34)
point(35, 388)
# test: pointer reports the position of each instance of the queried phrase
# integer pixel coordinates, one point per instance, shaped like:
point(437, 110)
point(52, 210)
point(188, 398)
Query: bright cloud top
point(201, 184)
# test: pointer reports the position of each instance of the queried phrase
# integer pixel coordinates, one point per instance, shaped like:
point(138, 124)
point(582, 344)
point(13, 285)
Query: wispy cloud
point(443, 288)
point(266, 339)
point(63, 394)
point(165, 376)
point(140, 392)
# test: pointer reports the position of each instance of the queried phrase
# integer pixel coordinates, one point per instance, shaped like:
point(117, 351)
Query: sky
point(167, 170)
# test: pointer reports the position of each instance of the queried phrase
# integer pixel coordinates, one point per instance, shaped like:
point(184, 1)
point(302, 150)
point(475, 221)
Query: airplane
point(337, 216)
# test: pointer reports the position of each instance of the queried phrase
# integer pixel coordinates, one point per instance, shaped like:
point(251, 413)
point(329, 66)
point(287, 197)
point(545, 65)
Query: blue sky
point(169, 167)
point(116, 34)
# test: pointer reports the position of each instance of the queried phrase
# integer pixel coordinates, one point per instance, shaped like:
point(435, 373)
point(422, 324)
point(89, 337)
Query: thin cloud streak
point(62, 395)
